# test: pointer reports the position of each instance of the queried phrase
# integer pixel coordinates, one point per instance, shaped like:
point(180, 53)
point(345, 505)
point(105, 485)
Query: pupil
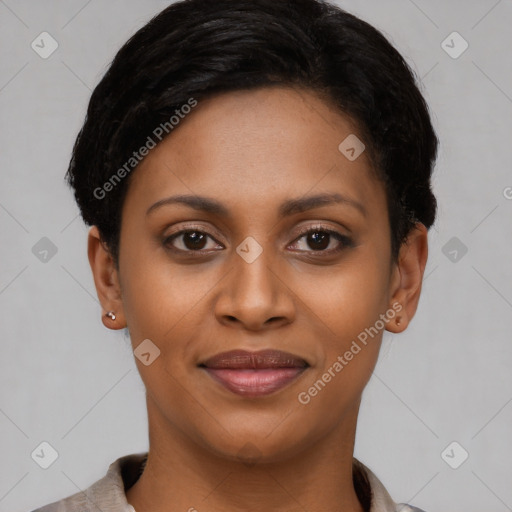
point(195, 238)
point(322, 238)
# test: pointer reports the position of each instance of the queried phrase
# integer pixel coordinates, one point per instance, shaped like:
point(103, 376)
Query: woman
point(257, 178)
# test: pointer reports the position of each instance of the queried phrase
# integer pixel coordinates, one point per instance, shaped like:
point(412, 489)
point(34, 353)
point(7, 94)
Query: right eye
point(189, 240)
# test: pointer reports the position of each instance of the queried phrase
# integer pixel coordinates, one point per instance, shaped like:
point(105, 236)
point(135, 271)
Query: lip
point(262, 360)
point(253, 374)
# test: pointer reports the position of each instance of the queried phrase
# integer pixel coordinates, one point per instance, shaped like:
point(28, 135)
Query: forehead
point(257, 146)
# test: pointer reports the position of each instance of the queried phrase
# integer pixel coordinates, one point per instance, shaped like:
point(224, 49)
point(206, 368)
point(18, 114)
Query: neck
point(180, 475)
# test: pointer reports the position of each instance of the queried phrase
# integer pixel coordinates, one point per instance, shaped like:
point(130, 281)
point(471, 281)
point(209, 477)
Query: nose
point(254, 296)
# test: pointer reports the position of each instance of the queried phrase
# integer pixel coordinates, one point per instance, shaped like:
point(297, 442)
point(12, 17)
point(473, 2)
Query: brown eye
point(191, 240)
point(194, 240)
point(318, 239)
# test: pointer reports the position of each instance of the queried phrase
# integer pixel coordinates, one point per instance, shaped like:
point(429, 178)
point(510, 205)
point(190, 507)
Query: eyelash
point(345, 240)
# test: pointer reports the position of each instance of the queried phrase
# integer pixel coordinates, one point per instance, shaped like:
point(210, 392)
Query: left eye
point(319, 239)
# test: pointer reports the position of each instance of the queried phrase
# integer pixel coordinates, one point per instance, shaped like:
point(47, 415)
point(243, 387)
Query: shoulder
point(106, 494)
point(381, 501)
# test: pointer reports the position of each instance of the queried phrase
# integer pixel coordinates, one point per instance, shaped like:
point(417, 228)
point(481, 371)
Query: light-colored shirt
point(109, 493)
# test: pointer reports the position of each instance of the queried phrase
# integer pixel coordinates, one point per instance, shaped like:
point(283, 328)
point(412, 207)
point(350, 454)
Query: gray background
point(67, 380)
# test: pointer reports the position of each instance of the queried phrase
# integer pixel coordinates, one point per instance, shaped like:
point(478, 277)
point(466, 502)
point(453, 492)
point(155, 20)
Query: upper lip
point(242, 359)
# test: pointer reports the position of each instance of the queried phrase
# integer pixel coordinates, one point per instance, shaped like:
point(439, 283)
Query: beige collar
point(108, 493)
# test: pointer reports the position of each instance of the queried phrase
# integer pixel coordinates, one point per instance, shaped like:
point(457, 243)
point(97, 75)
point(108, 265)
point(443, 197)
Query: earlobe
point(408, 279)
point(106, 280)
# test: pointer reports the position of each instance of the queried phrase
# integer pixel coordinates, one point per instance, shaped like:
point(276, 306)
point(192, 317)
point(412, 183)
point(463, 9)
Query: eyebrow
point(289, 207)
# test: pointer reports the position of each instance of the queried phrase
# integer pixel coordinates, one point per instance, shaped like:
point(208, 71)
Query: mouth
point(253, 374)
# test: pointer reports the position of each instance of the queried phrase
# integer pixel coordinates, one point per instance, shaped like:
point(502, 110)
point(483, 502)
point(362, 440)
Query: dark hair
point(197, 48)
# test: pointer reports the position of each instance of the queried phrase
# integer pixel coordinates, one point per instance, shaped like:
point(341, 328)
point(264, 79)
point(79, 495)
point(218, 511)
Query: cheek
point(348, 309)
point(159, 297)
point(167, 304)
point(348, 298)
point(344, 309)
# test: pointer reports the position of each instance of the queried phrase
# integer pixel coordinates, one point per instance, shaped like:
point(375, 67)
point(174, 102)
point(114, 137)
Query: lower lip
point(252, 382)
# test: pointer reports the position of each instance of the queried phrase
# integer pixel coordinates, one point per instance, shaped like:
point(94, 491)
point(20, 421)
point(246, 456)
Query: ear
point(106, 280)
point(407, 277)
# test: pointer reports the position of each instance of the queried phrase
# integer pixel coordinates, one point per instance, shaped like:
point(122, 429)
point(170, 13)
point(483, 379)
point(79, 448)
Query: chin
point(253, 445)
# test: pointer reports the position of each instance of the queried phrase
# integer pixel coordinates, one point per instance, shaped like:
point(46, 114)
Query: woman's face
point(246, 277)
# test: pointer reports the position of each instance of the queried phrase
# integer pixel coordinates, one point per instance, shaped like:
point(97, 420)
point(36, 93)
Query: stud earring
point(111, 315)
point(398, 320)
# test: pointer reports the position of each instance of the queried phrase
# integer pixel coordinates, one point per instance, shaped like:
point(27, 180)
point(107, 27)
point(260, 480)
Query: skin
point(210, 449)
